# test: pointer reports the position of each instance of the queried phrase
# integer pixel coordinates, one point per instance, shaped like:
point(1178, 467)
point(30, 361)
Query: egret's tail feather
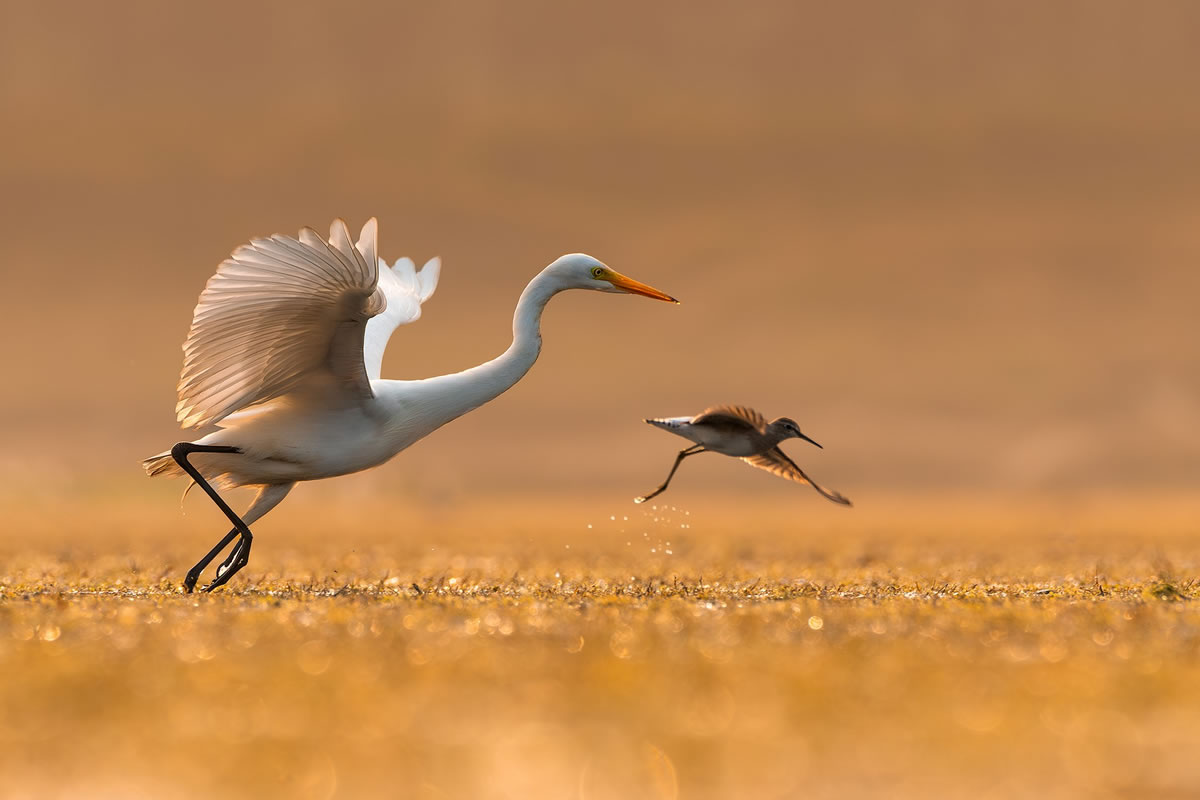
point(165, 464)
point(162, 464)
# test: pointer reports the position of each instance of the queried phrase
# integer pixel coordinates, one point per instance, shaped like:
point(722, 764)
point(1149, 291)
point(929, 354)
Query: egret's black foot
point(237, 559)
point(193, 575)
point(232, 558)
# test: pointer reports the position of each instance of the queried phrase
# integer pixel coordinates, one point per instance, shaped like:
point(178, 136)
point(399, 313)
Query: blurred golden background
point(956, 241)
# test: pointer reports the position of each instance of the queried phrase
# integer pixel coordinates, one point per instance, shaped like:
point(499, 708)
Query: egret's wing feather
point(427, 278)
point(406, 289)
point(734, 418)
point(278, 312)
point(776, 462)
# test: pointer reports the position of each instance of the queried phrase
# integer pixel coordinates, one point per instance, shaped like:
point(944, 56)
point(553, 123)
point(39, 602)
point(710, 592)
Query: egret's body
point(742, 433)
point(284, 356)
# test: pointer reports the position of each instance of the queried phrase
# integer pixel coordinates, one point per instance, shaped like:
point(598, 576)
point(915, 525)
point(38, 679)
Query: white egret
point(743, 433)
point(283, 357)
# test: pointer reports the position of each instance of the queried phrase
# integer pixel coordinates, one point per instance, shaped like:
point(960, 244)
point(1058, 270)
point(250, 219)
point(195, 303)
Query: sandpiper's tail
point(672, 424)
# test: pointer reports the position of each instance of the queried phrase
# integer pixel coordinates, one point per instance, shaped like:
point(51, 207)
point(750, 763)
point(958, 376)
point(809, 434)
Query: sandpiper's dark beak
point(810, 441)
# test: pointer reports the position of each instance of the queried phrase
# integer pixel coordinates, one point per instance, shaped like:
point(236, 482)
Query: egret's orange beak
point(634, 287)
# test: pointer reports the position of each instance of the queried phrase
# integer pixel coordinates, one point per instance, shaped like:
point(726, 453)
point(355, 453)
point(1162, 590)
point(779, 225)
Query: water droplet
point(816, 623)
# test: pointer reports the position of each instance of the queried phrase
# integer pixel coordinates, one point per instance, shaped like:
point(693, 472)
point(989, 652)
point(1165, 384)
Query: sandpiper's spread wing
point(280, 312)
point(733, 419)
point(406, 289)
point(776, 462)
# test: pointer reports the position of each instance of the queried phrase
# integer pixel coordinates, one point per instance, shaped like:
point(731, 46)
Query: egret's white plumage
point(284, 354)
point(281, 313)
point(405, 289)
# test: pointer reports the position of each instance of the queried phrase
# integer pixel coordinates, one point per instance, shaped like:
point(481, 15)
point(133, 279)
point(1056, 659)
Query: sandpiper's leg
point(690, 451)
point(180, 453)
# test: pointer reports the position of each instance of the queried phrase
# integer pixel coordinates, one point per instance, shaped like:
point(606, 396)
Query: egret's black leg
point(180, 453)
point(690, 451)
point(229, 559)
point(238, 558)
point(193, 575)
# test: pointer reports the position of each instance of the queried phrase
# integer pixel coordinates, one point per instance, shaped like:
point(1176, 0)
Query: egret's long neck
point(498, 375)
point(444, 398)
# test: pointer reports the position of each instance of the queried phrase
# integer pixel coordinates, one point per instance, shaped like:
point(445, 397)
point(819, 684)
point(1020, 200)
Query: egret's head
point(579, 271)
point(786, 428)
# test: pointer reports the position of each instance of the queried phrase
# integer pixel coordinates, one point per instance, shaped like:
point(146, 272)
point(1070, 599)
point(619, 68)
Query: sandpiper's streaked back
point(743, 433)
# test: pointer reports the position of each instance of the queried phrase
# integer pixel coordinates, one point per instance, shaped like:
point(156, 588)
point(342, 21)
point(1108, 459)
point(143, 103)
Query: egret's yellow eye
point(597, 272)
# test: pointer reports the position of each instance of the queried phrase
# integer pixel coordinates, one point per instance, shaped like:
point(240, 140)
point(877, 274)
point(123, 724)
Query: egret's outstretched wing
point(734, 419)
point(776, 462)
point(279, 312)
point(406, 289)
